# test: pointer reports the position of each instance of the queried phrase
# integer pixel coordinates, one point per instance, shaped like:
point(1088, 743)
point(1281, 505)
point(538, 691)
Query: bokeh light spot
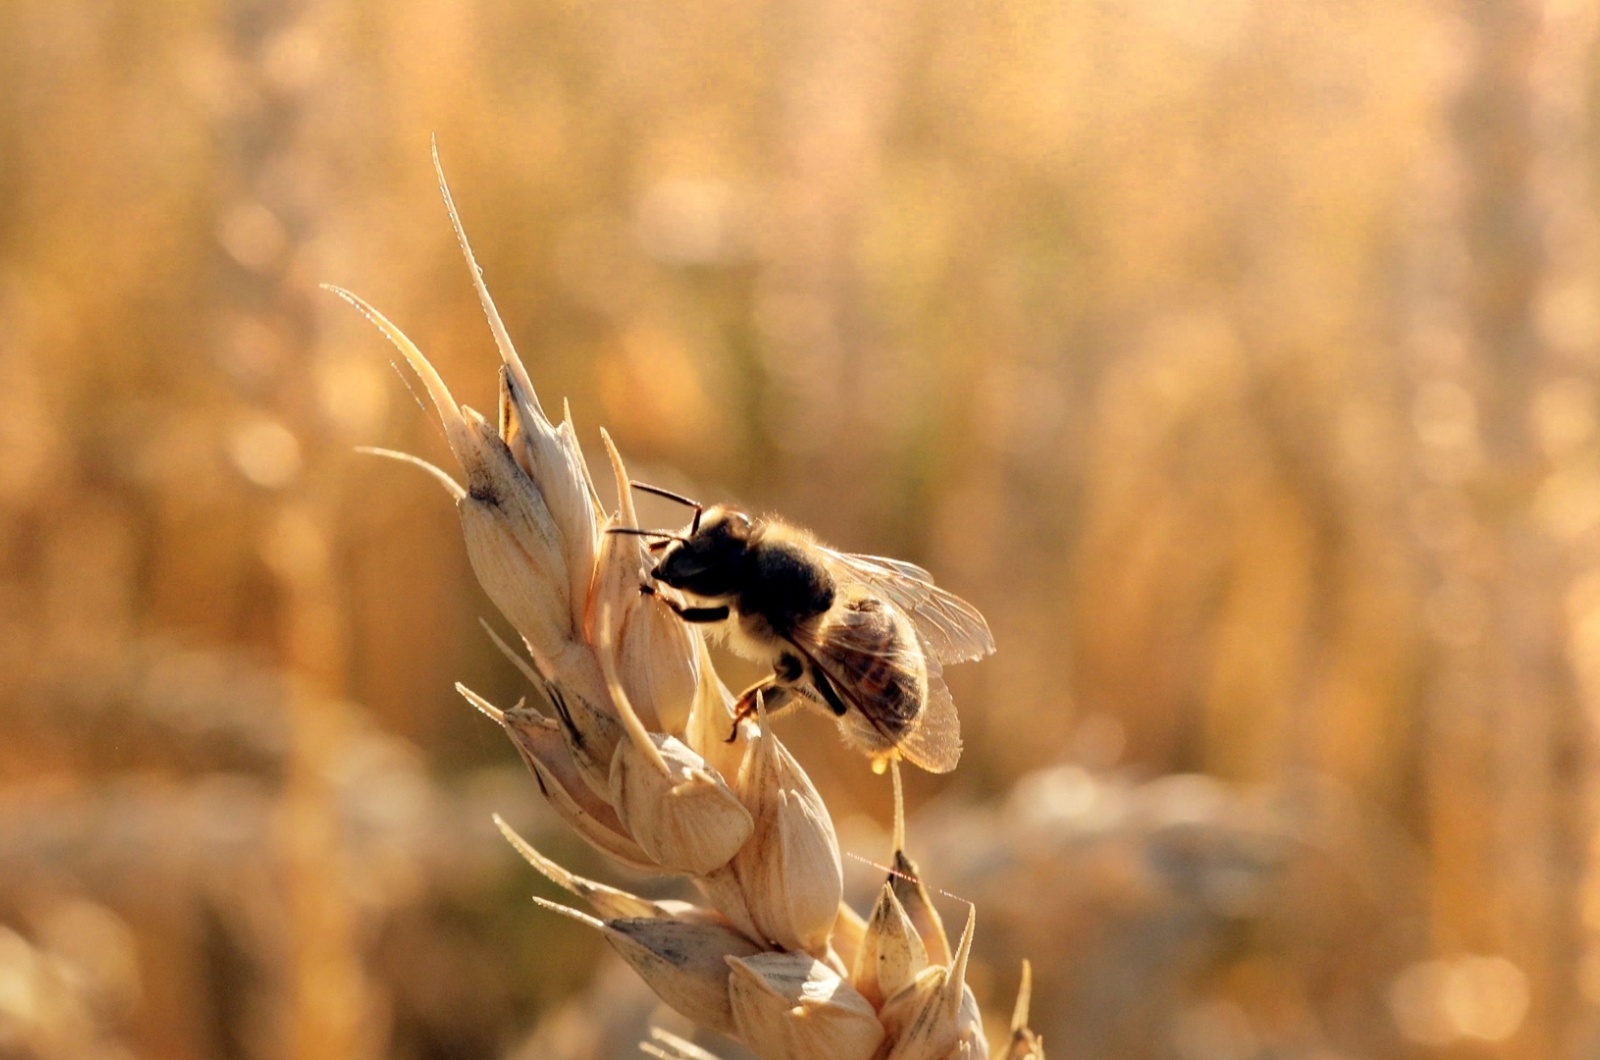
point(265, 452)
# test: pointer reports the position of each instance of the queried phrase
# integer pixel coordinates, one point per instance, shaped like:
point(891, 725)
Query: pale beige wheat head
point(632, 754)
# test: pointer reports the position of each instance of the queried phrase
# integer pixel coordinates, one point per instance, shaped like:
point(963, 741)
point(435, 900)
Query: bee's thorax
point(784, 583)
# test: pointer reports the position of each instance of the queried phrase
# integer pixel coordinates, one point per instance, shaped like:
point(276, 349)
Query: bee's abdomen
point(896, 693)
point(785, 585)
point(890, 674)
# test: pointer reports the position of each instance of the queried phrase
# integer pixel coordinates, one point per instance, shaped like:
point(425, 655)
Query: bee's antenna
point(635, 532)
point(668, 494)
point(680, 498)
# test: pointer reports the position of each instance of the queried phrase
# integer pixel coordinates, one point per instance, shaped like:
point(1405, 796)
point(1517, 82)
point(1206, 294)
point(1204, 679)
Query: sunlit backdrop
point(1238, 359)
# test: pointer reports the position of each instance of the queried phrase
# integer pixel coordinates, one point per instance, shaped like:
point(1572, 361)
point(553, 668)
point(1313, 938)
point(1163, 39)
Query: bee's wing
point(935, 743)
point(951, 629)
point(861, 663)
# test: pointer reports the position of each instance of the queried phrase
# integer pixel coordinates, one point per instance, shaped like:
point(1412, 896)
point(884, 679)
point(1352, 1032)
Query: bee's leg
point(830, 695)
point(745, 706)
point(700, 615)
point(697, 615)
point(774, 698)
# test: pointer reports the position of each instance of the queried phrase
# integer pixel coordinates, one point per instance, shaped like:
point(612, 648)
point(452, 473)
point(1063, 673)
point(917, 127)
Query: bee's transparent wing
point(952, 630)
point(874, 673)
point(935, 743)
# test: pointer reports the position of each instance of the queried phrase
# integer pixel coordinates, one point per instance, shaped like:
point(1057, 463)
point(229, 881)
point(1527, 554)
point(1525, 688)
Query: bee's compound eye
point(740, 521)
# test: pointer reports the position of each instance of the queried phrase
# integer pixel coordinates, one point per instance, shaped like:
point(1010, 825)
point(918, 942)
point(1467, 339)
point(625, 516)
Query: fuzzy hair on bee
point(864, 637)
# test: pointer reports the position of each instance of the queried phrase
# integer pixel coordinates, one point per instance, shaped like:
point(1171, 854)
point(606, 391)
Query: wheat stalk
point(632, 754)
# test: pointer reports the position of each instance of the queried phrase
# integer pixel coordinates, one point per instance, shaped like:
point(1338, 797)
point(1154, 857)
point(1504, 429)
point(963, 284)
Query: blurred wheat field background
point(1238, 359)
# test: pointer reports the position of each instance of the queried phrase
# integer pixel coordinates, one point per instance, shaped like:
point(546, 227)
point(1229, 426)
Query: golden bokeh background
point(1238, 359)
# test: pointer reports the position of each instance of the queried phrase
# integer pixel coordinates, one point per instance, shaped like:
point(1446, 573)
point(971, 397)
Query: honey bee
point(863, 636)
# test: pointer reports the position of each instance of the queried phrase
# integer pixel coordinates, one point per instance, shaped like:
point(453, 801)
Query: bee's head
point(707, 561)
